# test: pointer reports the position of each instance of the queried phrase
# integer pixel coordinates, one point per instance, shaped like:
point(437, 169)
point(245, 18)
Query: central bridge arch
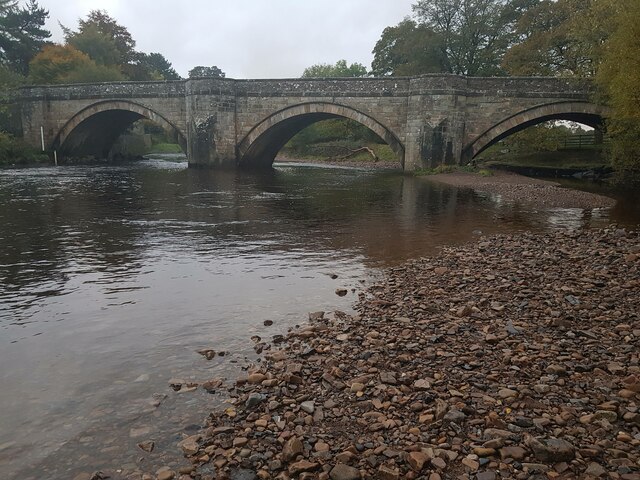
point(261, 145)
point(586, 113)
point(94, 129)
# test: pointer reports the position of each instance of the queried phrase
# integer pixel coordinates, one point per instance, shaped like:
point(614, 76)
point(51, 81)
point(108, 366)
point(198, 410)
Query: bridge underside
point(263, 151)
point(594, 121)
point(96, 135)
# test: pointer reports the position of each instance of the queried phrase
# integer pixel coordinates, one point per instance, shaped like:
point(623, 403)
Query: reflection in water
point(111, 278)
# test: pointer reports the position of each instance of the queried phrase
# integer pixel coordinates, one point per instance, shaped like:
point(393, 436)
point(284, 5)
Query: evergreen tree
point(22, 33)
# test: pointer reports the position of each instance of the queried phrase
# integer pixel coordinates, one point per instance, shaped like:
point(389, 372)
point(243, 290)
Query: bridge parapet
point(429, 120)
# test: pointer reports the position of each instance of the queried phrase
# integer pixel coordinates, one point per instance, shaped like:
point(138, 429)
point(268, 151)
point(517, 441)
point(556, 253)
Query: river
point(112, 277)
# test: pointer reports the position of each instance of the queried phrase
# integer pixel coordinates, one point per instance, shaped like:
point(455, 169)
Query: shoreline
point(512, 356)
point(519, 188)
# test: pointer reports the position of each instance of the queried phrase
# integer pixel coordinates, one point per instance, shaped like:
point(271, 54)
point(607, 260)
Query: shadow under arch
point(261, 145)
point(582, 112)
point(94, 129)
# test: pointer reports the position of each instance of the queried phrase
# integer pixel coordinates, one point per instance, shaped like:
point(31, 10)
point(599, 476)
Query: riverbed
point(113, 277)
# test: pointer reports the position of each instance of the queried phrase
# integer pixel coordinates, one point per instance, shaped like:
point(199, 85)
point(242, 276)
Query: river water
point(112, 277)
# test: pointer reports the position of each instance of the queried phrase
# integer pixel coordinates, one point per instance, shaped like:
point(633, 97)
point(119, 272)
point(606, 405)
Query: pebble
point(513, 357)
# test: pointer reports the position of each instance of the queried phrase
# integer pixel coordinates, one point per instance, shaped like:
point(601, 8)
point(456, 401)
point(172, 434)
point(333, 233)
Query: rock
point(254, 400)
point(165, 475)
point(486, 476)
point(207, 353)
point(344, 472)
point(507, 393)
point(595, 470)
point(516, 453)
point(212, 385)
point(147, 446)
point(552, 450)
point(484, 452)
point(292, 448)
point(387, 473)
point(422, 385)
point(439, 463)
point(308, 407)
point(302, 466)
point(256, 378)
point(471, 464)
point(316, 316)
point(190, 445)
point(389, 378)
point(176, 383)
point(454, 416)
point(417, 460)
point(341, 292)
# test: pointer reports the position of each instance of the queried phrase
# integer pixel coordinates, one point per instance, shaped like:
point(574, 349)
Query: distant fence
point(583, 140)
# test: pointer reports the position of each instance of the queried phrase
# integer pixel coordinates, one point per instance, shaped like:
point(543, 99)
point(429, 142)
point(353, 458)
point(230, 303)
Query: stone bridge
point(427, 120)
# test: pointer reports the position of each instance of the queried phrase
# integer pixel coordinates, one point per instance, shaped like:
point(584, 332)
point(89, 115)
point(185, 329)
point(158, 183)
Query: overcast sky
point(245, 38)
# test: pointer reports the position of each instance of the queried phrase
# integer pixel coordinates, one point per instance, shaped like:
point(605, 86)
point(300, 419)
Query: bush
point(14, 151)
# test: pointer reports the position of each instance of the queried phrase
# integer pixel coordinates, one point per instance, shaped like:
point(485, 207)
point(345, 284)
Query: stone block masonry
point(427, 120)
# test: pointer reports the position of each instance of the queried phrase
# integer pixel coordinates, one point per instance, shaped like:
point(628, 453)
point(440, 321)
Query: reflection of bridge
point(427, 120)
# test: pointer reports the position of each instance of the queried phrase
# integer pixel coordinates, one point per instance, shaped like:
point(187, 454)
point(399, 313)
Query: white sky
point(245, 38)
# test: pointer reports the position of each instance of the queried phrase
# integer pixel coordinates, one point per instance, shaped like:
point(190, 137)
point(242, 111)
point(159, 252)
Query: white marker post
point(55, 157)
point(42, 136)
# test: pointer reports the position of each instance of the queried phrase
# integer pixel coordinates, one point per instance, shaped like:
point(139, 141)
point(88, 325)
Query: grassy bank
point(13, 151)
point(550, 163)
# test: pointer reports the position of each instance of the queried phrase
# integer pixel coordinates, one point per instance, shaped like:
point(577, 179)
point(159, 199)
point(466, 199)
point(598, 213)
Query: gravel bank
point(518, 188)
point(514, 357)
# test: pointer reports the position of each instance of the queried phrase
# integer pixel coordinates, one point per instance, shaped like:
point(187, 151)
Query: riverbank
point(518, 188)
point(510, 357)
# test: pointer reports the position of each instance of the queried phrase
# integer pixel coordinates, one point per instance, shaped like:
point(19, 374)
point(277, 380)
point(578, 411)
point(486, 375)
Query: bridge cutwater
point(427, 120)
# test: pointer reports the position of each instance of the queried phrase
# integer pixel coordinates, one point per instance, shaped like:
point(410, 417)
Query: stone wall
point(433, 119)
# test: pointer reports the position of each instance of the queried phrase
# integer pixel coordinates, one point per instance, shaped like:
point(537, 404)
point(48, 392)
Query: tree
point(100, 21)
point(22, 33)
point(110, 44)
point(66, 64)
point(100, 46)
point(553, 40)
point(340, 69)
point(408, 49)
point(160, 67)
point(474, 34)
point(200, 71)
point(619, 78)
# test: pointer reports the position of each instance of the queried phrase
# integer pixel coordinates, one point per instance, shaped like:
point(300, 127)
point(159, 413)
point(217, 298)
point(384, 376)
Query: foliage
point(100, 21)
point(97, 44)
point(159, 66)
point(340, 69)
point(473, 34)
point(15, 151)
point(9, 79)
point(332, 130)
point(22, 33)
point(200, 71)
point(66, 64)
point(545, 137)
point(165, 148)
point(553, 40)
point(111, 47)
point(408, 49)
point(619, 77)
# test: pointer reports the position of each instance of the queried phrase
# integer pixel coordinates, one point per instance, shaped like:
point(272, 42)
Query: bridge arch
point(582, 112)
point(261, 145)
point(94, 129)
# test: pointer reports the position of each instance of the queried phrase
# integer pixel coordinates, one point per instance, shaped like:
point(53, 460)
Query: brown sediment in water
point(518, 188)
point(513, 355)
